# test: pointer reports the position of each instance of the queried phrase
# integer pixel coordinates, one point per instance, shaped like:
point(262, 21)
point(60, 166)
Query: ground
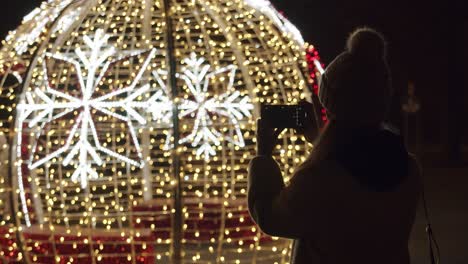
point(447, 192)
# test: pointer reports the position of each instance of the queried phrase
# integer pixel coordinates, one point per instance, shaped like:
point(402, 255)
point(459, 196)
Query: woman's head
point(356, 86)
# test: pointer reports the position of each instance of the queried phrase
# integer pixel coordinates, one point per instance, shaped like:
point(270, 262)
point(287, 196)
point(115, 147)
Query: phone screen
point(284, 116)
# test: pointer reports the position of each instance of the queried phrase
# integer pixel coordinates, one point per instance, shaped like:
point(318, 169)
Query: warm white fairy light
point(93, 106)
point(96, 63)
point(67, 20)
point(267, 8)
point(22, 193)
point(38, 18)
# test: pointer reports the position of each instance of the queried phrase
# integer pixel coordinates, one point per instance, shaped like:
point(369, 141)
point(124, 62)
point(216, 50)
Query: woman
point(354, 199)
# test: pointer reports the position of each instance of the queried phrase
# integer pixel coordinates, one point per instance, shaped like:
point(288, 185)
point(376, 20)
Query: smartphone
point(284, 116)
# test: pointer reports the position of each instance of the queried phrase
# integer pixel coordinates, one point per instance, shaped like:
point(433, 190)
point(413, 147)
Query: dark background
point(428, 42)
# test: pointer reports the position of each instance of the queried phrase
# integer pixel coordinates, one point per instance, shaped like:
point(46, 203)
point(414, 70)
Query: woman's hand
point(267, 138)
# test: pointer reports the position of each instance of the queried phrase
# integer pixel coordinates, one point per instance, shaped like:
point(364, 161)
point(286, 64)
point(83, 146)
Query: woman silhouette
point(354, 199)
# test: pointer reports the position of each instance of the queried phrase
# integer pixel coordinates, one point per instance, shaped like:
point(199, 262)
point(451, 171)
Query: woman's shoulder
point(320, 171)
point(312, 164)
point(330, 171)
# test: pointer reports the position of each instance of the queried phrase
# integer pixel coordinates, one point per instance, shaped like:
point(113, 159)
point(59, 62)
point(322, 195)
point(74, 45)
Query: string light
point(85, 91)
point(316, 69)
point(267, 8)
point(37, 21)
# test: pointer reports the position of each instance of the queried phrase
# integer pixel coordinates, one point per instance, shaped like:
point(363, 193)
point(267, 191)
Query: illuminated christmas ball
point(128, 126)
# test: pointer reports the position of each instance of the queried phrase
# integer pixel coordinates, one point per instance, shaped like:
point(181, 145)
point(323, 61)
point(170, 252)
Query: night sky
point(427, 45)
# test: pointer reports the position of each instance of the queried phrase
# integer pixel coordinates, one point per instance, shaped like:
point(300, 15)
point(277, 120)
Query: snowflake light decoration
point(95, 61)
point(197, 75)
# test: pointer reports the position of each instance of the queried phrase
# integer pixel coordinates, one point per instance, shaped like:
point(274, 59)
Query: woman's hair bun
point(367, 43)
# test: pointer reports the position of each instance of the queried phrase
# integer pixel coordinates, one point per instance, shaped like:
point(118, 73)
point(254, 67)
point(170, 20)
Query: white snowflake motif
point(196, 74)
point(160, 105)
point(54, 104)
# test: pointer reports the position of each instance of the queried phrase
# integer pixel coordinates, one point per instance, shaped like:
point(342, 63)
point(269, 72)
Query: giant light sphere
point(118, 114)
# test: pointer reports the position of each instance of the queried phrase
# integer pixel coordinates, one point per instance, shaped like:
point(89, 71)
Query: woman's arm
point(278, 210)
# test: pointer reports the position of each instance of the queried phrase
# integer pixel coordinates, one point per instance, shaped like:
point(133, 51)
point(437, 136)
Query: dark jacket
point(356, 206)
